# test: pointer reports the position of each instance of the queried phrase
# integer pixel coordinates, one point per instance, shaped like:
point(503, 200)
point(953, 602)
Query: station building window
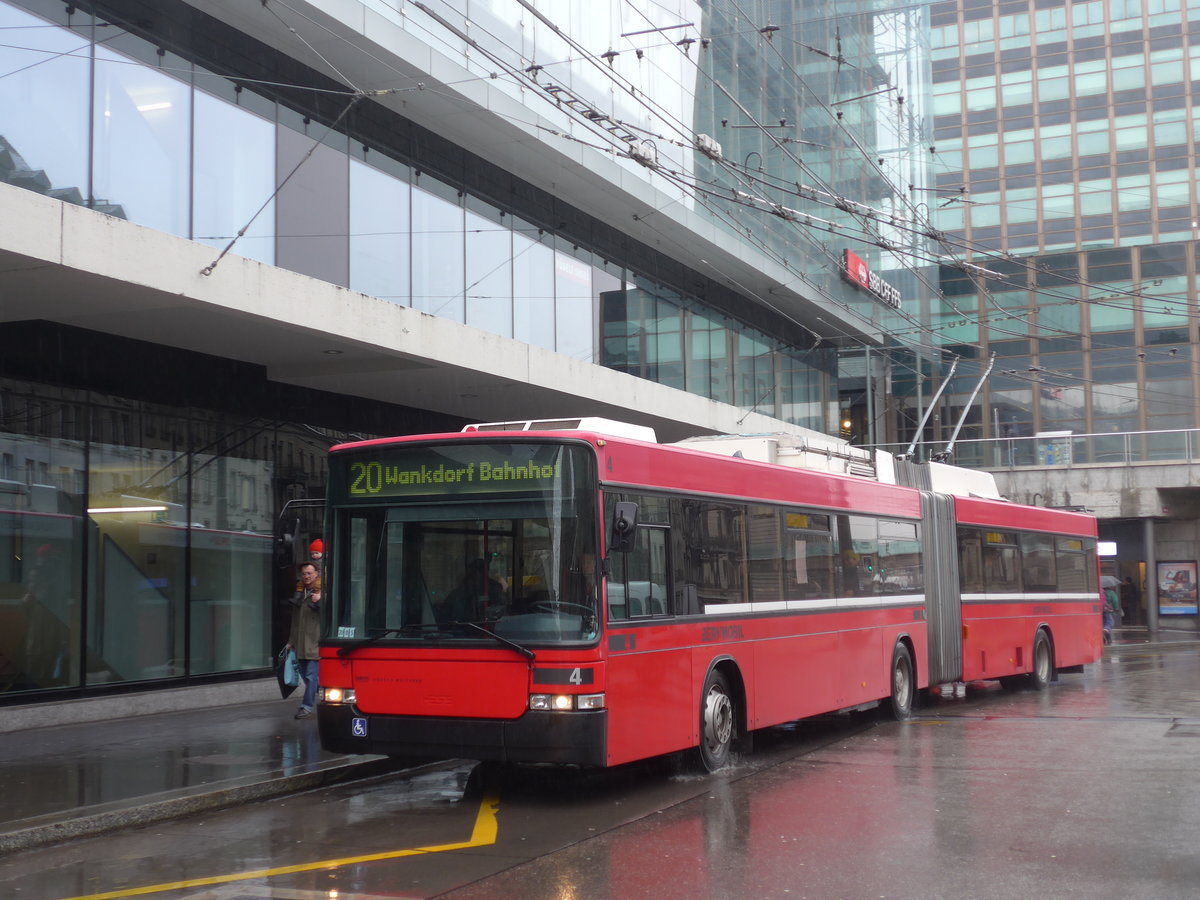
point(129, 556)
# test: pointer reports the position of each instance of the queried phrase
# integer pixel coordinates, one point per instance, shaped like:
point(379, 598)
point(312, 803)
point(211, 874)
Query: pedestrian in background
point(1112, 604)
point(306, 632)
point(1131, 601)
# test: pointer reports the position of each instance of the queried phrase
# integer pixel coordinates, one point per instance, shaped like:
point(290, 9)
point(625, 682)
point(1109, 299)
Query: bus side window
point(1001, 563)
point(1037, 562)
point(1073, 564)
point(637, 583)
point(970, 569)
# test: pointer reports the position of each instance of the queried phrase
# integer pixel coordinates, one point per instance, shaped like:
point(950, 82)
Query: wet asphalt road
point(1090, 789)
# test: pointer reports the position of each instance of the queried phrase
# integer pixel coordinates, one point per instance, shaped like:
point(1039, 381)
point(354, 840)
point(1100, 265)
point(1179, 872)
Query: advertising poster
point(1177, 588)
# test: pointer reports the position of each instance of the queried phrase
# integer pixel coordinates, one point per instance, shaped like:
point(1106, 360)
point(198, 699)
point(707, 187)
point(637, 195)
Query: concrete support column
point(1151, 576)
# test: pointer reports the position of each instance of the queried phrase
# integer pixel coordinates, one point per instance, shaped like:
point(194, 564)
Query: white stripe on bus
point(888, 600)
point(831, 603)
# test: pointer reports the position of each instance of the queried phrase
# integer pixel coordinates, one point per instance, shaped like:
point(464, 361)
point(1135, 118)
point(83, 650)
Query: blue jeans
point(308, 671)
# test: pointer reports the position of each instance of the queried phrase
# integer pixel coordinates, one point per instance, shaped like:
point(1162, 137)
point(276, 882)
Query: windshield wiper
point(524, 651)
point(375, 638)
point(440, 626)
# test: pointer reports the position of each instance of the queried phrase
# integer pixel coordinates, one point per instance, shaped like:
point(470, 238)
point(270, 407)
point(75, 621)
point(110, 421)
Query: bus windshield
point(467, 542)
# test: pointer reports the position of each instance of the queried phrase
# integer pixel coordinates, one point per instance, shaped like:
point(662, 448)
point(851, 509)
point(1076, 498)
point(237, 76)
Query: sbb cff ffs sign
point(855, 271)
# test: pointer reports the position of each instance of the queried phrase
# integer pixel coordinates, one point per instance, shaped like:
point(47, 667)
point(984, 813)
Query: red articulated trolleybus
point(574, 592)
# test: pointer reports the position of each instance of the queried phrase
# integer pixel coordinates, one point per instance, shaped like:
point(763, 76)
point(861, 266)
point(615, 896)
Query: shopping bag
point(287, 672)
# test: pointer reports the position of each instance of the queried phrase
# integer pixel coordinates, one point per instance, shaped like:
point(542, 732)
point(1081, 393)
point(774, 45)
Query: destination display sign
point(458, 470)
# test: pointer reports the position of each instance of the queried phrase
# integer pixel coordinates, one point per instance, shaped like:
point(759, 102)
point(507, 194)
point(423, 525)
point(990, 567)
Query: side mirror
point(624, 528)
point(285, 541)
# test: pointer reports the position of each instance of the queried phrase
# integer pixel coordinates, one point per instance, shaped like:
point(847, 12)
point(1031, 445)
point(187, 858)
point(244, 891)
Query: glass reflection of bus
point(143, 560)
point(580, 597)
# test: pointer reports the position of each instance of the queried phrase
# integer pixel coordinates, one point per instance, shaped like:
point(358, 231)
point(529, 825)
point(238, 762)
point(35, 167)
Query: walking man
point(305, 632)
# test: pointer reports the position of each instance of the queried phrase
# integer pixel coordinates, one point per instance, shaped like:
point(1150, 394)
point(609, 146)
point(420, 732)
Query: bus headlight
point(337, 695)
point(566, 702)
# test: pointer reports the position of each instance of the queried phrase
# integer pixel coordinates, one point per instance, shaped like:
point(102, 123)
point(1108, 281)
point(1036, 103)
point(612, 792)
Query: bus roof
point(582, 423)
point(778, 468)
point(1000, 514)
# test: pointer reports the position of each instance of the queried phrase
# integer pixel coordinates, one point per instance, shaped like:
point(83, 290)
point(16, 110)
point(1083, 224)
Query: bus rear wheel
point(717, 718)
point(1043, 663)
point(904, 683)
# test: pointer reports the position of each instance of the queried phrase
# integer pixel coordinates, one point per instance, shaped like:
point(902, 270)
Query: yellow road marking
point(482, 835)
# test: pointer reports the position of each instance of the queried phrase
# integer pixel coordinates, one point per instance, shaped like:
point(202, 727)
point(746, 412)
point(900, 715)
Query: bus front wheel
point(717, 717)
point(904, 683)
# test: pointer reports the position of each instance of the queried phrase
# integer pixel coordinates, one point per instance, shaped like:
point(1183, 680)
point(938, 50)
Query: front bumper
point(569, 738)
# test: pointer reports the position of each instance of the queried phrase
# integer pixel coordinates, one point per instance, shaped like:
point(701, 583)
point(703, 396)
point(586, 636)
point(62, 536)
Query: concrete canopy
point(67, 264)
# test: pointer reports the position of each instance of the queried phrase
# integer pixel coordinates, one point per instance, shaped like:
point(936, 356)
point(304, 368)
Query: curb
point(138, 704)
point(88, 821)
point(1119, 649)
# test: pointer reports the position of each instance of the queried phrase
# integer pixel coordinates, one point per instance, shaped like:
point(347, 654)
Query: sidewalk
point(70, 780)
point(1126, 637)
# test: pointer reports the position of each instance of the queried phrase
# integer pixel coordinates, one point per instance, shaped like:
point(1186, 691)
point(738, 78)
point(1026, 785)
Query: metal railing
point(1055, 449)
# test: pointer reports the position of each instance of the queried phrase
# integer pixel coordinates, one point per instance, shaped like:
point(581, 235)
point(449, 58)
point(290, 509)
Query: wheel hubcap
point(901, 684)
point(1043, 662)
point(718, 720)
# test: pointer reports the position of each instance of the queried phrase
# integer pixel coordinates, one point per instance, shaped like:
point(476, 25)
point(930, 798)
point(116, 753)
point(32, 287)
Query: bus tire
point(718, 718)
point(1043, 662)
point(904, 683)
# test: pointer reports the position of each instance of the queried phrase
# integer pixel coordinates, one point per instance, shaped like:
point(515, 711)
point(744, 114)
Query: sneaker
point(302, 713)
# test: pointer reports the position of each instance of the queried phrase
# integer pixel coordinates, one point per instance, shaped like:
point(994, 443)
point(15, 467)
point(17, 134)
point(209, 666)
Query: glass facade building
point(141, 527)
point(1077, 155)
point(163, 142)
point(139, 522)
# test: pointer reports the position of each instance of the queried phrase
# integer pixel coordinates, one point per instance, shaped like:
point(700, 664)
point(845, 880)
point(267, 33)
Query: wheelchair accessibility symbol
point(358, 727)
